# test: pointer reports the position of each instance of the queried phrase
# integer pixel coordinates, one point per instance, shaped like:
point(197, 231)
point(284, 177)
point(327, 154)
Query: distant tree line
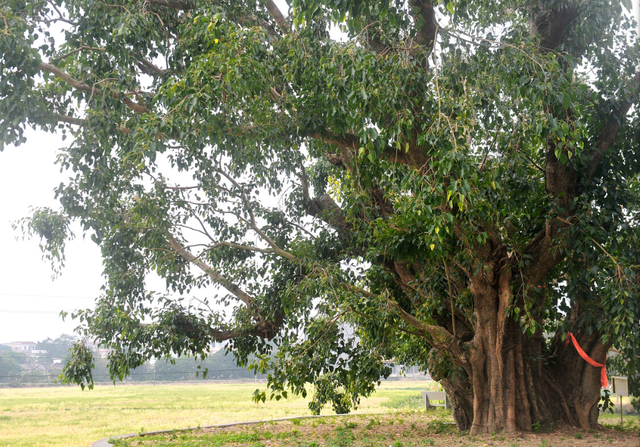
point(20, 369)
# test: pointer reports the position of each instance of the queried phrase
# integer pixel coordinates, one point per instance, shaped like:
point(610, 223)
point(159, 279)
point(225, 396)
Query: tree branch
point(70, 119)
point(326, 209)
point(213, 274)
point(427, 29)
point(150, 68)
point(252, 222)
point(550, 25)
point(79, 85)
point(276, 14)
point(610, 130)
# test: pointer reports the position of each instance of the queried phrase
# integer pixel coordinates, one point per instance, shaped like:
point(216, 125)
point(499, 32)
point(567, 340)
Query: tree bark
point(515, 382)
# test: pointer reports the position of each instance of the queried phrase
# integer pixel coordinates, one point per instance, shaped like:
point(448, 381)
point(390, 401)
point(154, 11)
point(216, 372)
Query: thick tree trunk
point(515, 386)
point(500, 376)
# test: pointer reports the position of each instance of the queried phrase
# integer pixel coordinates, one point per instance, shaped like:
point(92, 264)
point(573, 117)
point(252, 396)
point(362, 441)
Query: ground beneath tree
point(384, 430)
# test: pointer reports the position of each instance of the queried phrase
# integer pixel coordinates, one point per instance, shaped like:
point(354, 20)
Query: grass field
point(67, 416)
point(398, 429)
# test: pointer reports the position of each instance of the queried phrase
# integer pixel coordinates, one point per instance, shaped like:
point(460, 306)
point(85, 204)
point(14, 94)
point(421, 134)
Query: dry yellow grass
point(67, 416)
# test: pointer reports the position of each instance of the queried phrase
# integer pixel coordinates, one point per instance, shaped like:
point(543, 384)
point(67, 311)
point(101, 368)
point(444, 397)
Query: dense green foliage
point(451, 184)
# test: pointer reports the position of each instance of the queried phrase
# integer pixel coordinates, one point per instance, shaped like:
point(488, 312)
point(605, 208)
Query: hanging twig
point(453, 310)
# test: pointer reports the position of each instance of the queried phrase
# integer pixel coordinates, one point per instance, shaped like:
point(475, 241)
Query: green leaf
point(450, 7)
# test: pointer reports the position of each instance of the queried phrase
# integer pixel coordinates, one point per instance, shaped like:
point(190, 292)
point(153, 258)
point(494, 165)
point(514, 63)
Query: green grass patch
point(69, 417)
point(412, 402)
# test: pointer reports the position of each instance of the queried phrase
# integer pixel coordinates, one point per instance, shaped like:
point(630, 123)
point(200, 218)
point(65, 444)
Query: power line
point(40, 312)
point(133, 374)
point(49, 296)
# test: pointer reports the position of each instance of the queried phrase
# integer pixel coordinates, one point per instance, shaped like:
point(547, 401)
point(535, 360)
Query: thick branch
point(149, 67)
point(544, 246)
point(610, 130)
point(427, 24)
point(550, 25)
point(326, 209)
point(213, 274)
point(70, 120)
point(275, 13)
point(79, 85)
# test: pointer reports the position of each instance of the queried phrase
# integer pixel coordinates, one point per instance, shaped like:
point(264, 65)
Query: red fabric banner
point(603, 374)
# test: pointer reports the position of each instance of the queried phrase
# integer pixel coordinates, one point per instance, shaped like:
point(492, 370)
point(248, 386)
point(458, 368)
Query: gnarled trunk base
point(518, 382)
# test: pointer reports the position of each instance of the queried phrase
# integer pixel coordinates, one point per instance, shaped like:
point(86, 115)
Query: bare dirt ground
point(387, 430)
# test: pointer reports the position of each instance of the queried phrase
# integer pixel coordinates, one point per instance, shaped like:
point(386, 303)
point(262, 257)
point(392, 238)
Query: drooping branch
point(265, 328)
point(178, 248)
point(437, 336)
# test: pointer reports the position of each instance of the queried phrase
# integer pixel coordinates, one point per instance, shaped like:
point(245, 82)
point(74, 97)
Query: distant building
point(22, 346)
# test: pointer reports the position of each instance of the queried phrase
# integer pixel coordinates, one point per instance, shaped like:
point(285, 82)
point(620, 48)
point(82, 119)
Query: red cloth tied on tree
point(603, 374)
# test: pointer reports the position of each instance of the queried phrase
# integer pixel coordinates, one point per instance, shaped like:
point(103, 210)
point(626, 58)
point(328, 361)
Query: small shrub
point(578, 435)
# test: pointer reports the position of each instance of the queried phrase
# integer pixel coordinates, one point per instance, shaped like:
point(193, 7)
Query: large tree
point(453, 185)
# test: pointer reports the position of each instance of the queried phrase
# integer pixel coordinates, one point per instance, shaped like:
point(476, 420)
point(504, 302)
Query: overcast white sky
point(30, 302)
